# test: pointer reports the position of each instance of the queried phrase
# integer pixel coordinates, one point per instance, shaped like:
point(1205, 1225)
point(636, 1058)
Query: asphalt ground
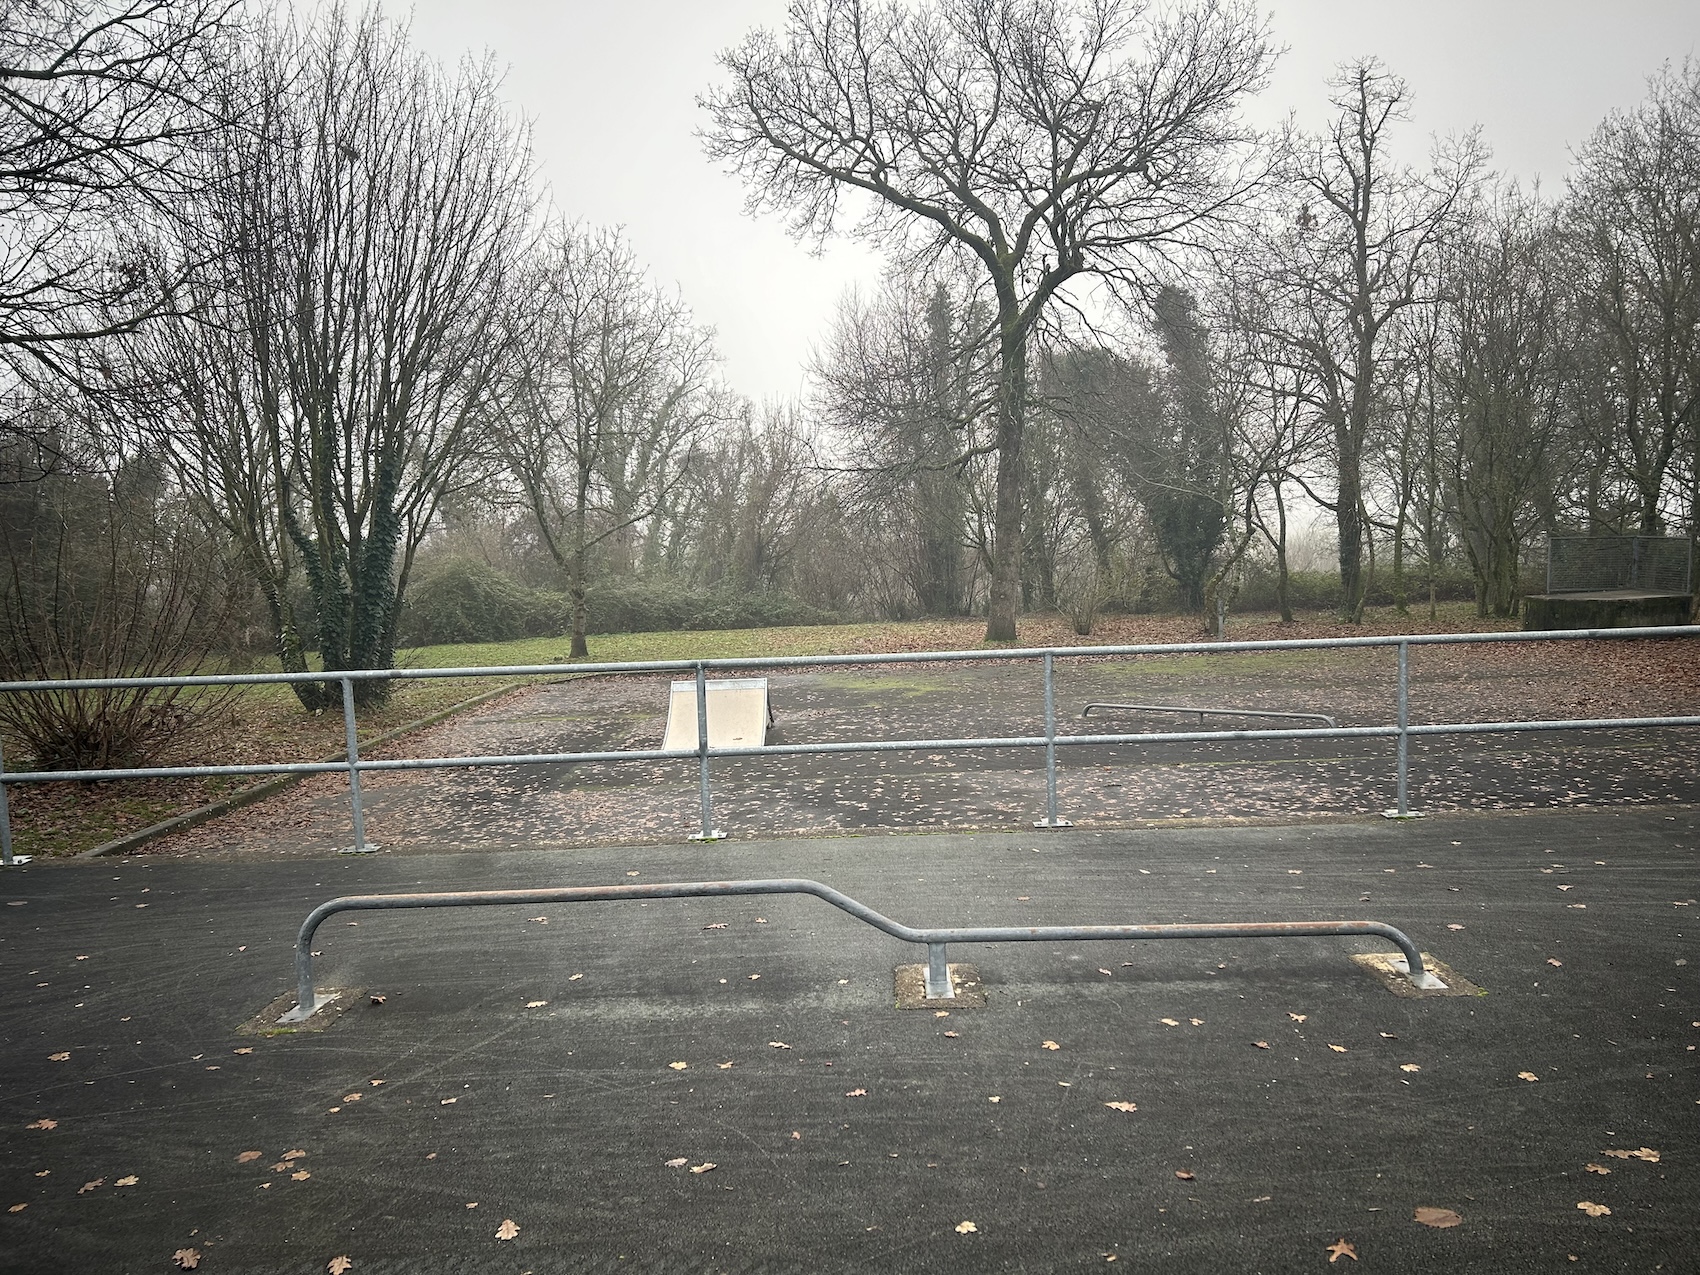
point(527, 1060)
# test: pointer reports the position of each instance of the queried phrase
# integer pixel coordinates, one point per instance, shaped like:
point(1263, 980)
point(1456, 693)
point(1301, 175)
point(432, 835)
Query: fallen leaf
point(1527, 1075)
point(339, 1265)
point(64, 1057)
point(754, 977)
point(796, 1135)
point(1578, 907)
point(448, 1102)
point(246, 1049)
point(995, 1098)
point(1106, 973)
point(300, 1176)
point(856, 1093)
point(1440, 1219)
point(761, 920)
point(1340, 1248)
point(632, 873)
point(1454, 926)
point(43, 1124)
point(941, 1013)
point(777, 1044)
point(1169, 1022)
point(1554, 961)
point(1114, 1106)
point(472, 1204)
point(1592, 1209)
point(1339, 1049)
point(507, 1230)
point(1598, 1168)
point(1051, 1044)
point(535, 1004)
point(90, 1186)
point(379, 1000)
point(374, 1082)
point(678, 1162)
point(129, 1179)
point(294, 1155)
point(1640, 1153)
point(17, 1208)
point(718, 925)
point(707, 1166)
point(723, 1066)
point(282, 1166)
point(1261, 1044)
point(573, 978)
point(187, 1259)
point(248, 1157)
point(678, 1066)
point(1196, 1022)
point(1297, 1018)
point(966, 1228)
point(951, 1035)
point(1387, 1035)
point(1185, 1176)
point(1409, 1067)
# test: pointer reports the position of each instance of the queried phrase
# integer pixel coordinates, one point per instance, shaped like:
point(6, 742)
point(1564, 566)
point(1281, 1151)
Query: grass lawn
point(267, 724)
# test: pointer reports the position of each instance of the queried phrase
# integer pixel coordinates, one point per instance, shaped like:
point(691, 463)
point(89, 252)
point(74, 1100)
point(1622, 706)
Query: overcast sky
point(611, 91)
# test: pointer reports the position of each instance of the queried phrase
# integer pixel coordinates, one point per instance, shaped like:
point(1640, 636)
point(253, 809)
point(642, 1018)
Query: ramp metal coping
point(1324, 718)
point(935, 940)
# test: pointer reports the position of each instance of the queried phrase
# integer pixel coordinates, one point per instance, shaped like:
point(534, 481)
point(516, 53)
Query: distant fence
point(1593, 564)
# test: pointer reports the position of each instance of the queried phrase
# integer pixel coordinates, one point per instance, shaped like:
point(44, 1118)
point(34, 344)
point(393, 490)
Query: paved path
point(527, 1061)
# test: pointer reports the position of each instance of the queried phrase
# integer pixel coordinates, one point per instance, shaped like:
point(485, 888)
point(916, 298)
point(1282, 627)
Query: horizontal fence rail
point(936, 940)
point(354, 766)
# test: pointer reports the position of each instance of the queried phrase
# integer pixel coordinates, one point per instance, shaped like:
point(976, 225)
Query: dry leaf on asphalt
point(248, 1157)
point(507, 1230)
point(995, 1098)
point(707, 1166)
point(448, 1102)
point(535, 1004)
point(379, 1000)
point(17, 1208)
point(718, 925)
point(725, 1066)
point(1297, 1018)
point(246, 1049)
point(1113, 1106)
point(129, 1179)
point(1640, 1153)
point(1050, 1044)
point(1440, 1219)
point(352, 1097)
point(1261, 1044)
point(1340, 1248)
point(1339, 1049)
point(951, 1035)
point(1185, 1175)
point(1597, 1168)
point(43, 1124)
point(1527, 1075)
point(966, 1228)
point(1454, 926)
point(677, 1162)
point(187, 1259)
point(856, 1093)
point(777, 1044)
point(1106, 973)
point(1409, 1067)
point(301, 1176)
point(64, 1057)
point(1553, 960)
point(678, 1066)
point(339, 1265)
point(1592, 1209)
point(1169, 1022)
point(294, 1155)
point(90, 1186)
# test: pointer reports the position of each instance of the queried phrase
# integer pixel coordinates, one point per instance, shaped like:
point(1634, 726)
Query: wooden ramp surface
point(738, 714)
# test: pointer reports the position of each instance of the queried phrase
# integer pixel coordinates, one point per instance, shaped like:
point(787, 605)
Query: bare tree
point(353, 348)
point(1042, 141)
point(613, 390)
point(100, 101)
point(1355, 253)
point(1634, 212)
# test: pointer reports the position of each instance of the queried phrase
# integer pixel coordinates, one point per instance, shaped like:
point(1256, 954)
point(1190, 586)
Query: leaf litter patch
point(1388, 969)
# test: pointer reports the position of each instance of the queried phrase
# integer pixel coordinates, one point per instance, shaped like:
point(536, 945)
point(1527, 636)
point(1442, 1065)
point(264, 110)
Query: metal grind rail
point(1324, 718)
point(935, 940)
point(1050, 741)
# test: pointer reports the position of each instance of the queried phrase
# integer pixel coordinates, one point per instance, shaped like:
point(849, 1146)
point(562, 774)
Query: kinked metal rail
point(936, 977)
point(1050, 741)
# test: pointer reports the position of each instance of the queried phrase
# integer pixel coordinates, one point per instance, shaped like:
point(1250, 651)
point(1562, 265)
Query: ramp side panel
point(737, 714)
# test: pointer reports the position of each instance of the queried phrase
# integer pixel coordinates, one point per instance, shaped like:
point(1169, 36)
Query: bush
point(1320, 590)
point(464, 600)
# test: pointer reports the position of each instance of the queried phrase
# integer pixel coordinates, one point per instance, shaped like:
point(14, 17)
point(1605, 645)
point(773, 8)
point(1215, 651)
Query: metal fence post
point(7, 858)
point(1050, 820)
point(361, 845)
point(937, 977)
point(1402, 810)
point(709, 831)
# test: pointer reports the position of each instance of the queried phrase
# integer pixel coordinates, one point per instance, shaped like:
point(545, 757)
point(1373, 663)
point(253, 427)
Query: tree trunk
point(1006, 534)
point(1349, 496)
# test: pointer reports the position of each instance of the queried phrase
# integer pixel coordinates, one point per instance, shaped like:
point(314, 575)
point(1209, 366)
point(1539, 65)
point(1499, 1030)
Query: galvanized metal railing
point(936, 976)
point(354, 766)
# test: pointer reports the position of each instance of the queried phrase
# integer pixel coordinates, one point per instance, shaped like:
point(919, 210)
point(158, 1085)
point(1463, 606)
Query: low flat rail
point(935, 940)
point(1324, 718)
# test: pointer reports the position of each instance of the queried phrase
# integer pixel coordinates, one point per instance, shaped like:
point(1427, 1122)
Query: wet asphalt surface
point(527, 1059)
